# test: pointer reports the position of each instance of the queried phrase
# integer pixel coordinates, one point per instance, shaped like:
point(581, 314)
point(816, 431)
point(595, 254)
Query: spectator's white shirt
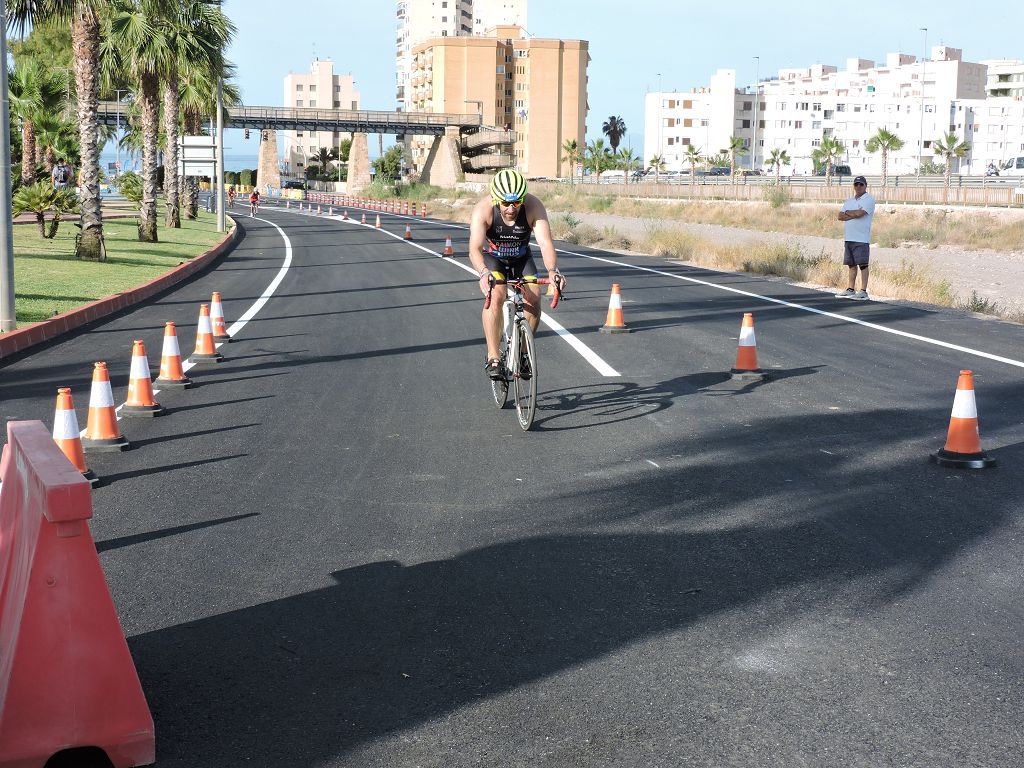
point(859, 230)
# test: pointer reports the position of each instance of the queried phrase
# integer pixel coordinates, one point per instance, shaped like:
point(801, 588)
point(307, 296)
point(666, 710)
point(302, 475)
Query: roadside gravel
point(995, 275)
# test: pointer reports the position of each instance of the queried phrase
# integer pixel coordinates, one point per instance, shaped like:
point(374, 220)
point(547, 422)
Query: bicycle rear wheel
point(500, 391)
point(525, 382)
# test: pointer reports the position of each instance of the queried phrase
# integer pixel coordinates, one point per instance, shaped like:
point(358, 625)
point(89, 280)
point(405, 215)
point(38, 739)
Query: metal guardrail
point(315, 119)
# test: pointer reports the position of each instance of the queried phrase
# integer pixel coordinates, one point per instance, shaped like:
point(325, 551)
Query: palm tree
point(573, 156)
point(885, 141)
point(947, 147)
point(693, 157)
point(198, 34)
point(139, 42)
point(198, 97)
point(83, 17)
point(323, 158)
point(736, 148)
point(58, 138)
point(826, 154)
point(614, 128)
point(41, 197)
point(776, 159)
point(34, 94)
point(656, 164)
point(599, 158)
point(628, 161)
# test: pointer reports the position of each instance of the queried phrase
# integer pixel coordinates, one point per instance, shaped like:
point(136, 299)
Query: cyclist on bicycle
point(499, 248)
point(231, 195)
point(254, 202)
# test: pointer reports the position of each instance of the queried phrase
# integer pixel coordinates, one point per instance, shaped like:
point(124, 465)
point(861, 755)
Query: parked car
point(1012, 167)
point(751, 172)
point(638, 174)
point(837, 170)
point(719, 170)
point(293, 185)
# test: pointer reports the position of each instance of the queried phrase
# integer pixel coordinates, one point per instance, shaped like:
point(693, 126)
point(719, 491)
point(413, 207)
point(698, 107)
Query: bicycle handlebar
point(520, 282)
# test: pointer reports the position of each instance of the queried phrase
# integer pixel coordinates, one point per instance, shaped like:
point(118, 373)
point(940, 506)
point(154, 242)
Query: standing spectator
point(856, 215)
point(61, 175)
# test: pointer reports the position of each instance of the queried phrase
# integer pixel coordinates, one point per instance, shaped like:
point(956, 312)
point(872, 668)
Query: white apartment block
point(705, 117)
point(1005, 78)
point(918, 100)
point(322, 89)
point(420, 20)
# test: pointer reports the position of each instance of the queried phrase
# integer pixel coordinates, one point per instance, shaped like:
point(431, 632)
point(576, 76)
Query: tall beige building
point(536, 87)
point(420, 20)
point(322, 89)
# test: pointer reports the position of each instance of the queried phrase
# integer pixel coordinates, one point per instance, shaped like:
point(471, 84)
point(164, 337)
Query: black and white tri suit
point(508, 253)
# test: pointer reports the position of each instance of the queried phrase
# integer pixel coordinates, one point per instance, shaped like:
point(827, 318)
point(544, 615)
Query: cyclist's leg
point(531, 293)
point(491, 316)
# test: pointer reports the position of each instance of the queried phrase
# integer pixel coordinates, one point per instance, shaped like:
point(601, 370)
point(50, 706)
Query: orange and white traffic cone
point(318, 209)
point(330, 211)
point(140, 400)
point(363, 220)
point(344, 214)
point(205, 351)
point(408, 232)
point(220, 332)
point(102, 434)
point(746, 353)
point(613, 322)
point(67, 436)
point(377, 225)
point(963, 442)
point(448, 250)
point(288, 204)
point(172, 374)
point(423, 213)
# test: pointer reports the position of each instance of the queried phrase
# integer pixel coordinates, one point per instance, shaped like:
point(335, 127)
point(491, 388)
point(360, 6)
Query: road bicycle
point(254, 207)
point(518, 355)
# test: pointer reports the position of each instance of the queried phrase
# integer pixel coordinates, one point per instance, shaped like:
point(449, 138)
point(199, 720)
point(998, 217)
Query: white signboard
point(197, 156)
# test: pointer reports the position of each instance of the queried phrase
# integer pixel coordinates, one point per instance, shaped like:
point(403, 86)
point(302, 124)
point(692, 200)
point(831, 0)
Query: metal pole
point(757, 76)
point(8, 318)
point(920, 129)
point(220, 155)
point(661, 152)
point(117, 135)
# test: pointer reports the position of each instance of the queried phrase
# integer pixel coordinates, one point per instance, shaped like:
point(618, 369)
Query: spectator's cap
point(860, 180)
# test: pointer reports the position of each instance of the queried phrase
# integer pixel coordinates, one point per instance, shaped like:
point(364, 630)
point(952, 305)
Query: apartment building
point(918, 100)
point(534, 87)
point(1005, 78)
point(419, 20)
point(705, 117)
point(323, 89)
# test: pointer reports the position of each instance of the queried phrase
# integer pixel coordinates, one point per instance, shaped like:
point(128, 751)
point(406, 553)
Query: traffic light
point(247, 133)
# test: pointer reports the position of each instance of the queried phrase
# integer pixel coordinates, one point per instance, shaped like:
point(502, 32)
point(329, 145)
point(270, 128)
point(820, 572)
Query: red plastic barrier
point(67, 679)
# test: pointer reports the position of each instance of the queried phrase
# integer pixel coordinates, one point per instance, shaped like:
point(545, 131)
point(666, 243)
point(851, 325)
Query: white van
point(1012, 167)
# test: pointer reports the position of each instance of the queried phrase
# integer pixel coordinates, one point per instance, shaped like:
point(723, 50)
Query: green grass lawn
point(48, 279)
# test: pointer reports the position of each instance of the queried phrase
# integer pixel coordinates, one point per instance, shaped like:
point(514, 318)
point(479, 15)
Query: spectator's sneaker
point(860, 296)
point(847, 294)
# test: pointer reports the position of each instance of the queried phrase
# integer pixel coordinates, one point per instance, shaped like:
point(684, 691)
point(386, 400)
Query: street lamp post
point(757, 90)
point(660, 152)
point(8, 318)
point(920, 129)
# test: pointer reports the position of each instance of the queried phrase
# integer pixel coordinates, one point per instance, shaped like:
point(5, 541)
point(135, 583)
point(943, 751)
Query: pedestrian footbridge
point(461, 140)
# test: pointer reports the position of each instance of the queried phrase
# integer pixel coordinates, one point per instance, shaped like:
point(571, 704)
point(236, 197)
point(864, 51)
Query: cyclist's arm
point(478, 235)
point(538, 216)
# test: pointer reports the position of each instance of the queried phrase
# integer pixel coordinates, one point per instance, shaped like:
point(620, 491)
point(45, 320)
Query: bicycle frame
point(513, 312)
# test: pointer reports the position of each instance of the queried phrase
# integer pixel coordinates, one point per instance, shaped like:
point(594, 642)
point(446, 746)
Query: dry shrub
point(673, 243)
point(611, 238)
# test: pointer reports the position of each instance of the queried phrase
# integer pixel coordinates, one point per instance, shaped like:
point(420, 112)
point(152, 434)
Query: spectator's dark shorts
point(855, 254)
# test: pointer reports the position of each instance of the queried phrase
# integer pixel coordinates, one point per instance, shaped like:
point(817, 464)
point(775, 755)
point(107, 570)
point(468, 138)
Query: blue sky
point(630, 43)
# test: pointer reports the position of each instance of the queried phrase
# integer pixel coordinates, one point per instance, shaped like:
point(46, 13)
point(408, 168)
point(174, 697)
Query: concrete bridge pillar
point(444, 161)
point(268, 173)
point(358, 164)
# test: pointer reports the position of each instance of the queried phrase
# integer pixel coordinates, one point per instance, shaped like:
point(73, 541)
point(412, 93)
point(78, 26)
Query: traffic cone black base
point(945, 458)
point(143, 410)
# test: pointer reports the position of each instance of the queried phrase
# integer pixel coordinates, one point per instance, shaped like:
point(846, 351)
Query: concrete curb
point(18, 341)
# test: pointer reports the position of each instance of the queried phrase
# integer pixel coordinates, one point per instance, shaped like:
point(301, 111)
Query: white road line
point(793, 305)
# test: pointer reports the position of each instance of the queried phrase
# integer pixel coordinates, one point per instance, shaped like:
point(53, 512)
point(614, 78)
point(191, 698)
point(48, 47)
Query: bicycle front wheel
point(525, 379)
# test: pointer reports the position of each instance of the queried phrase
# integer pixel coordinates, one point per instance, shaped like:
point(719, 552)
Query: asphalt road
point(335, 551)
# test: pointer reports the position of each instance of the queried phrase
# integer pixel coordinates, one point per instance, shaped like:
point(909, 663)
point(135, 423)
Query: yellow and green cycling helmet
point(508, 186)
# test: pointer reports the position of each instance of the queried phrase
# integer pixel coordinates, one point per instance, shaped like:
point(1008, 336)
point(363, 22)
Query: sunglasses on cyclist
point(510, 203)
